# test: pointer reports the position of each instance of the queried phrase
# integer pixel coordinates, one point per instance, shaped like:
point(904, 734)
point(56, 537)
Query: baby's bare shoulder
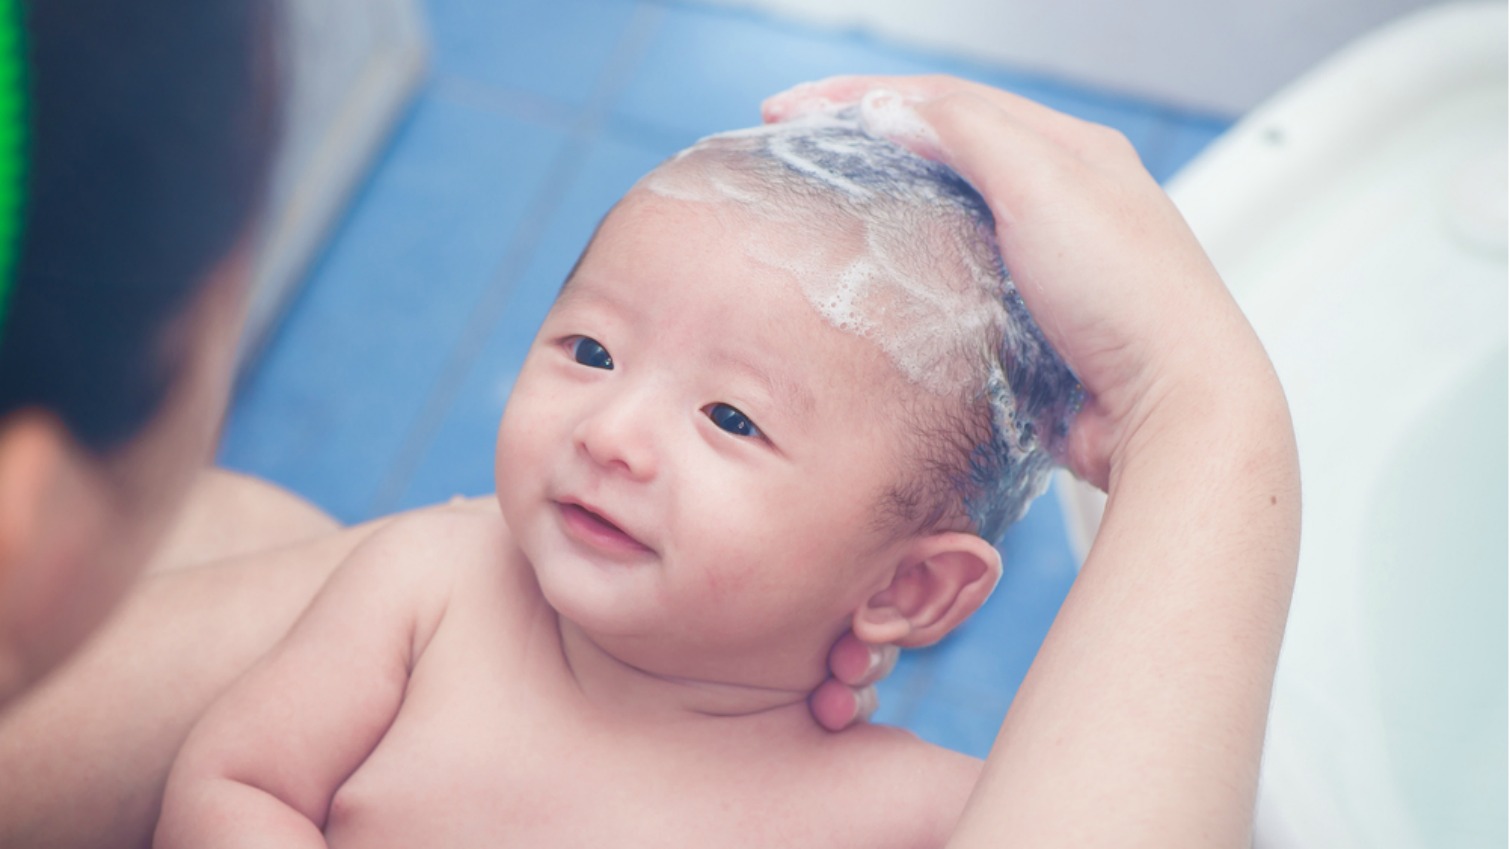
point(439, 541)
point(434, 555)
point(464, 556)
point(909, 792)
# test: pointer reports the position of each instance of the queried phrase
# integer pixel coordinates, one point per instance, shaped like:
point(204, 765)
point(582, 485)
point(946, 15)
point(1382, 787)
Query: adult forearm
point(1141, 722)
point(83, 758)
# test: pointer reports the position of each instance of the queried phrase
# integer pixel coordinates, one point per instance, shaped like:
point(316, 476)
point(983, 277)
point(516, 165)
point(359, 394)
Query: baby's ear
point(940, 580)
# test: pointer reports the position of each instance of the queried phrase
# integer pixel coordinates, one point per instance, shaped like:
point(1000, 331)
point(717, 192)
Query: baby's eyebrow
point(785, 390)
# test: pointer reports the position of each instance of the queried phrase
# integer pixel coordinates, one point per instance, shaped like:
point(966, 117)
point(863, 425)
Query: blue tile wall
point(556, 50)
point(334, 393)
point(383, 386)
point(456, 457)
point(1180, 138)
point(708, 69)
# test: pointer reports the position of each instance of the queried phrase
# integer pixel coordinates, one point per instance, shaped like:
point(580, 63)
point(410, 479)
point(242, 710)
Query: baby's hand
point(1104, 261)
point(850, 695)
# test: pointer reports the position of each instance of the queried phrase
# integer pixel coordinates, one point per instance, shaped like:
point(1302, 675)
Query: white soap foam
point(896, 249)
point(916, 287)
point(887, 115)
point(782, 148)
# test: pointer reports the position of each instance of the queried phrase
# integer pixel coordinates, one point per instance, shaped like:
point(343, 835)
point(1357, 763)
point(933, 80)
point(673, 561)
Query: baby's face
point(691, 456)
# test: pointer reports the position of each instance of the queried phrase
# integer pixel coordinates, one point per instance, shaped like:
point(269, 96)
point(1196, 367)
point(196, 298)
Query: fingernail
point(788, 108)
point(806, 98)
point(778, 106)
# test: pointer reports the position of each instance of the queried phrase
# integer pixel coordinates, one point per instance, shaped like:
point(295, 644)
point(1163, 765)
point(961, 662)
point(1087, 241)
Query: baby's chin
point(607, 600)
point(634, 621)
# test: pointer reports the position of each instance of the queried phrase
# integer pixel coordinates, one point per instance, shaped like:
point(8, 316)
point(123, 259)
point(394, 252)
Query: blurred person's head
point(147, 134)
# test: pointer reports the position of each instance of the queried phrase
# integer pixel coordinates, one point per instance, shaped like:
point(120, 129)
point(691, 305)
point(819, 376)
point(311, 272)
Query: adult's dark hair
point(151, 126)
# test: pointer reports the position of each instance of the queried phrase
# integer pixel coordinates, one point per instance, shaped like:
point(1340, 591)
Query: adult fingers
point(849, 696)
point(1043, 197)
point(1101, 257)
point(837, 706)
point(823, 95)
point(857, 663)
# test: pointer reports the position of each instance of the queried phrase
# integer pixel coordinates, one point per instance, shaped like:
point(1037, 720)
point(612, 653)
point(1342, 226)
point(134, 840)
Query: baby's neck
point(618, 687)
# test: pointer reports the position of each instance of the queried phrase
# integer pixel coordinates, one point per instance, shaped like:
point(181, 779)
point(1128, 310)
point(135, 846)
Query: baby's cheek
point(521, 433)
point(723, 589)
point(517, 460)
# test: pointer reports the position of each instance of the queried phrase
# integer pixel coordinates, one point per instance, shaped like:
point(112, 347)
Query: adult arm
point(261, 767)
point(229, 514)
point(1141, 720)
point(84, 757)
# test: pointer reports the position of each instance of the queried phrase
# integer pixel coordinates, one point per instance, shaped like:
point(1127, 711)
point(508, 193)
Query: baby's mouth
point(597, 530)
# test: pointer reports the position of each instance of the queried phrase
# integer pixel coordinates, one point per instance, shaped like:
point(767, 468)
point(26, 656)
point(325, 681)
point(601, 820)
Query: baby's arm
point(261, 767)
point(1142, 719)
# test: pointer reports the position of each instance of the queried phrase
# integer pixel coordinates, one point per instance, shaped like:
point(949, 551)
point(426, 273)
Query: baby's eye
point(590, 352)
point(732, 420)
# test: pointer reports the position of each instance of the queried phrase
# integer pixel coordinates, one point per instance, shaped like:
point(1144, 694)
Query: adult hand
point(1102, 258)
point(1141, 720)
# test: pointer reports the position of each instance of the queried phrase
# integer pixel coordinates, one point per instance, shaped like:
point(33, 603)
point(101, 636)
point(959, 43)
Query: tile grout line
point(490, 307)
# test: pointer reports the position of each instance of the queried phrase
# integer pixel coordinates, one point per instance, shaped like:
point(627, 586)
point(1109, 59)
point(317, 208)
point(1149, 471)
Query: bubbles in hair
point(900, 250)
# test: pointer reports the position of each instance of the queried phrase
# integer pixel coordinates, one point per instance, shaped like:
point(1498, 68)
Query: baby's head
point(899, 250)
point(788, 388)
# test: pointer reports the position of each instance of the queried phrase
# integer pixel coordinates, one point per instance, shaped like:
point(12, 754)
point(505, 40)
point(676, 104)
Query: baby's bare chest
point(486, 752)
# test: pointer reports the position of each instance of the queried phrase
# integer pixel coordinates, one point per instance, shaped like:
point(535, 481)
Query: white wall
point(1215, 55)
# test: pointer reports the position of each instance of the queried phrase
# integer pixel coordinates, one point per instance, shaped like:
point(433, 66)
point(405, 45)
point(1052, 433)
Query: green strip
point(12, 145)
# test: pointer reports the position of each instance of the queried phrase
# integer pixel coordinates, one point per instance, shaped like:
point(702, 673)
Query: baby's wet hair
point(913, 265)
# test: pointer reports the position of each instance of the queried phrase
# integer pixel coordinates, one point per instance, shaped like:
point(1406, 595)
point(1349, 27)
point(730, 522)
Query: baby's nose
point(620, 435)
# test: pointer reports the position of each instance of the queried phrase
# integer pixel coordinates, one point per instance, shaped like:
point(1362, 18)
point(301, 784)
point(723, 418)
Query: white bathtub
point(1360, 219)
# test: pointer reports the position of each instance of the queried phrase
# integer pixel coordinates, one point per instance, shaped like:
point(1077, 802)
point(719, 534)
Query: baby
point(788, 390)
